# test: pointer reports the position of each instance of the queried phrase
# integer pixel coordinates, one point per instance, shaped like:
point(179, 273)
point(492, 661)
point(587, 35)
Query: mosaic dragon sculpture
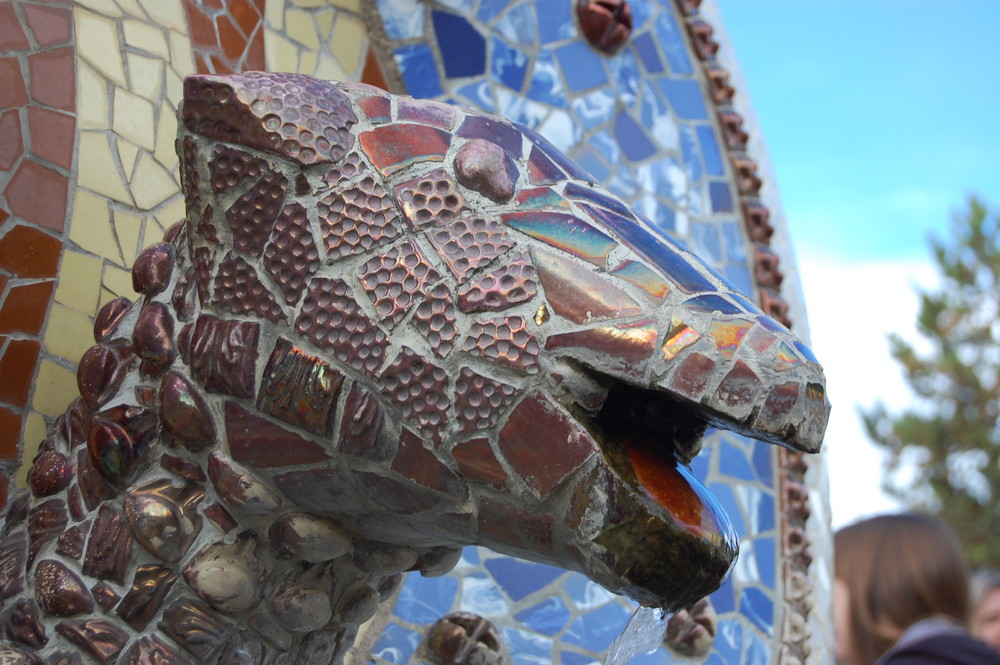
point(387, 329)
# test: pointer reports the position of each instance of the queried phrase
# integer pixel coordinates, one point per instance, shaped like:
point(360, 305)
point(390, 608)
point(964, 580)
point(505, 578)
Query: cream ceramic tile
point(348, 42)
point(166, 134)
point(166, 12)
point(309, 4)
point(132, 8)
point(167, 216)
point(300, 27)
point(329, 69)
point(145, 75)
point(79, 283)
point(175, 86)
point(181, 54)
point(128, 229)
point(62, 334)
point(145, 37)
point(152, 184)
point(274, 17)
point(133, 119)
point(282, 54)
point(127, 154)
point(349, 5)
point(97, 43)
point(324, 21)
point(98, 170)
point(103, 7)
point(118, 281)
point(307, 61)
point(92, 108)
point(35, 431)
point(90, 226)
point(55, 388)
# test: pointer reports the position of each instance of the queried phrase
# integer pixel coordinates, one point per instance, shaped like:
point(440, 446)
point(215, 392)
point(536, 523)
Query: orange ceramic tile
point(233, 43)
point(4, 216)
point(17, 369)
point(200, 64)
point(50, 25)
point(372, 74)
point(12, 37)
point(11, 145)
point(201, 26)
point(23, 310)
point(255, 53)
point(3, 284)
point(29, 253)
point(12, 92)
point(55, 71)
point(38, 195)
point(52, 135)
point(4, 490)
point(220, 66)
point(246, 15)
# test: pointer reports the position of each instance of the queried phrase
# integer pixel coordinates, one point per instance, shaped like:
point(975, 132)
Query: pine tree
point(944, 450)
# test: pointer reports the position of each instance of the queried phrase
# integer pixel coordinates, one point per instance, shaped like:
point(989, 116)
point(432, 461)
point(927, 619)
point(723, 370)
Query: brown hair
point(899, 569)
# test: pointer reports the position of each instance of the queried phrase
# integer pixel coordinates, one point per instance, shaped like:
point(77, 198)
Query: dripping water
point(642, 635)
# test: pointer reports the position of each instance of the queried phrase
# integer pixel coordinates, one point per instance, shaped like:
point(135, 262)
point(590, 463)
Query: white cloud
point(851, 309)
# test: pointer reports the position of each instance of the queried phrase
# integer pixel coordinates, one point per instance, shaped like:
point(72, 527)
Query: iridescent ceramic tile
point(565, 232)
point(393, 147)
point(580, 296)
point(299, 388)
point(728, 335)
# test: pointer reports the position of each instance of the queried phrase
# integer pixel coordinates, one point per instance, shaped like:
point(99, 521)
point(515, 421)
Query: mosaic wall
point(88, 176)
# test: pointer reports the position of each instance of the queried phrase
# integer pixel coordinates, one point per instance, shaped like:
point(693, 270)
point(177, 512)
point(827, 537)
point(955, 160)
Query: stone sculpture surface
point(387, 329)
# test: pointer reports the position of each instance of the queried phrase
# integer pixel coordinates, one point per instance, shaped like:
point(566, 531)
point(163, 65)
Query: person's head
point(986, 607)
point(892, 571)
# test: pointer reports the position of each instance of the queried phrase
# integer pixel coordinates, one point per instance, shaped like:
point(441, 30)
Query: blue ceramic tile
point(624, 184)
point(603, 142)
point(504, 135)
point(625, 76)
point(763, 462)
point(764, 552)
point(721, 195)
point(513, 106)
point(758, 652)
point(733, 462)
point(470, 556)
point(685, 98)
point(597, 629)
point(587, 595)
point(715, 659)
point(581, 66)
point(519, 24)
point(710, 150)
point(700, 464)
point(673, 44)
point(705, 241)
point(556, 155)
point(397, 644)
point(463, 49)
point(577, 192)
point(593, 164)
point(402, 19)
point(724, 599)
point(661, 217)
point(570, 658)
point(554, 20)
point(633, 139)
point(479, 95)
point(805, 351)
point(766, 517)
point(521, 578)
point(711, 302)
point(771, 324)
point(593, 109)
point(739, 275)
point(545, 84)
point(508, 64)
point(689, 151)
point(490, 9)
point(420, 73)
point(481, 595)
point(729, 639)
point(561, 130)
point(464, 7)
point(423, 600)
point(723, 493)
point(526, 648)
point(732, 238)
point(646, 48)
point(759, 608)
point(547, 617)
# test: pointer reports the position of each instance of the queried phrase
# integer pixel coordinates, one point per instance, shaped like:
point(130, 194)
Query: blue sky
point(880, 115)
point(880, 118)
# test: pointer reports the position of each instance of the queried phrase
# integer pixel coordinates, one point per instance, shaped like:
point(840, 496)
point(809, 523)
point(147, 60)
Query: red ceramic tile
point(230, 39)
point(54, 76)
point(28, 252)
point(4, 215)
point(3, 284)
point(11, 145)
point(23, 310)
point(12, 92)
point(4, 490)
point(50, 25)
point(219, 66)
point(10, 434)
point(52, 135)
point(215, 4)
point(246, 15)
point(372, 73)
point(38, 195)
point(259, 443)
point(254, 58)
point(201, 26)
point(12, 37)
point(17, 370)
